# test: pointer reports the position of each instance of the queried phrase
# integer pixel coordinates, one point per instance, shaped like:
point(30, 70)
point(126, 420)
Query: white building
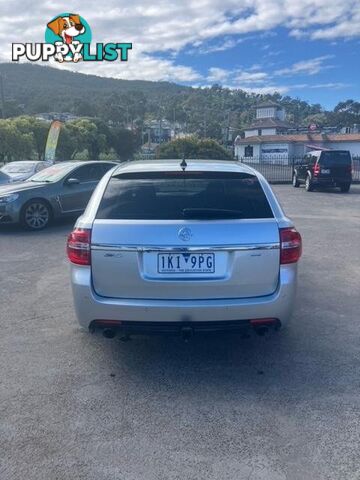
point(280, 148)
point(270, 120)
point(62, 116)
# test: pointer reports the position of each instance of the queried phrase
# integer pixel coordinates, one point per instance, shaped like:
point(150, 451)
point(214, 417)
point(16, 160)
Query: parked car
point(60, 190)
point(324, 168)
point(160, 249)
point(4, 179)
point(20, 171)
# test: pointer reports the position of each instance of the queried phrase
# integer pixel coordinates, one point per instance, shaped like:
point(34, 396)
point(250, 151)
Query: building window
point(265, 112)
point(259, 132)
point(249, 151)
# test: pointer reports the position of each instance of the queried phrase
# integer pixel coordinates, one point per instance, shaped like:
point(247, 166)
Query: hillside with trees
point(30, 89)
point(110, 106)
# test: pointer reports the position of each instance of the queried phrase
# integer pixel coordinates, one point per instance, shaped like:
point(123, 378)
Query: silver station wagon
point(179, 247)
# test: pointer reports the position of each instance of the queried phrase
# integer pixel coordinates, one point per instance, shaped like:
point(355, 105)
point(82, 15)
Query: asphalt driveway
point(287, 406)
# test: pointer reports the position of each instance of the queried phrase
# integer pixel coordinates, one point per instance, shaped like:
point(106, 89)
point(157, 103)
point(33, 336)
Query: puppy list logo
point(67, 39)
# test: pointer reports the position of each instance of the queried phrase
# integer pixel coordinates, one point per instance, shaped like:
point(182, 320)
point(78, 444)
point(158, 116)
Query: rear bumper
point(90, 307)
point(324, 181)
point(186, 329)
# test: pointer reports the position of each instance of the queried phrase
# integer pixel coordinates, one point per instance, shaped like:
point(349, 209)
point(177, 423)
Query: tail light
point(290, 245)
point(316, 169)
point(78, 246)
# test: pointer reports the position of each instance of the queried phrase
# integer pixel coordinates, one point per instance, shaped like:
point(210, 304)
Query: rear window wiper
point(211, 213)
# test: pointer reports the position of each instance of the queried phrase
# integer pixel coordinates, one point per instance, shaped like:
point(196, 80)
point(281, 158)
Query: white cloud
point(251, 77)
point(227, 44)
point(307, 67)
point(254, 67)
point(327, 86)
point(269, 89)
point(143, 66)
point(236, 76)
point(282, 89)
point(218, 75)
point(170, 25)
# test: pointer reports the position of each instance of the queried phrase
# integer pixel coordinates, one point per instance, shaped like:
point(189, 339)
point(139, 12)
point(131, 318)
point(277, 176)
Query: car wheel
point(345, 187)
point(295, 181)
point(308, 184)
point(35, 215)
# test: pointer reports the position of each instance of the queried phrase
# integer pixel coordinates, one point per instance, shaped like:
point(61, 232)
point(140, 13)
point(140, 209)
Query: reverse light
point(78, 246)
point(290, 245)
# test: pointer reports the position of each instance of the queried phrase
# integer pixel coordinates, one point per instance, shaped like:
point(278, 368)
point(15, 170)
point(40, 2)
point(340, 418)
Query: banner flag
point(52, 141)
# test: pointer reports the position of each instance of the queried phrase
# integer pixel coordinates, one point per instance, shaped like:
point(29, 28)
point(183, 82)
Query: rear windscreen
point(331, 159)
point(184, 195)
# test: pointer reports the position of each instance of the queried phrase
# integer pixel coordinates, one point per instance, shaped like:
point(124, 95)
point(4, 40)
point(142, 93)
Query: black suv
point(324, 168)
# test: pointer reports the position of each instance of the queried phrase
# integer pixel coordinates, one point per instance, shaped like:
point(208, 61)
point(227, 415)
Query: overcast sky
point(305, 48)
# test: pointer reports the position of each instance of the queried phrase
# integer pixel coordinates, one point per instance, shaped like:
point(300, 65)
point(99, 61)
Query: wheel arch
point(39, 199)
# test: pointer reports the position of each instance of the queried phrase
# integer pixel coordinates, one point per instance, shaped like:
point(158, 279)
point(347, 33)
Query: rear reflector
point(107, 323)
point(290, 245)
point(78, 246)
point(255, 322)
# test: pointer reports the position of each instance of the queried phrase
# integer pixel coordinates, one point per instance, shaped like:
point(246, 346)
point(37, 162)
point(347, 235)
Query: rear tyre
point(309, 187)
point(345, 187)
point(35, 215)
point(295, 181)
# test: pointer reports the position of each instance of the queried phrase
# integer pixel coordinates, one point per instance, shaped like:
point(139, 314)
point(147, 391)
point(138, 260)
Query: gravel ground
point(79, 406)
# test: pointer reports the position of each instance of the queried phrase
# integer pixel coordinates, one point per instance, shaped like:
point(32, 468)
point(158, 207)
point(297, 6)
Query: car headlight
point(8, 198)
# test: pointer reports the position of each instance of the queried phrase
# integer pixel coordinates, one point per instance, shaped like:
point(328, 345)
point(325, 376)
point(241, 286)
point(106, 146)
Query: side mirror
point(72, 181)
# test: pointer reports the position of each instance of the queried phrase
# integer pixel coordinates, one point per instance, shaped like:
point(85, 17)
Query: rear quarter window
point(184, 195)
point(330, 159)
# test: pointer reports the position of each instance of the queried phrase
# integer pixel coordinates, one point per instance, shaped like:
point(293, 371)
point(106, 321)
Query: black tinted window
point(88, 173)
point(105, 167)
point(330, 159)
point(177, 195)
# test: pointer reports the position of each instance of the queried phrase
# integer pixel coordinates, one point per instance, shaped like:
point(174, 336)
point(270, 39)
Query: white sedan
point(4, 178)
point(20, 171)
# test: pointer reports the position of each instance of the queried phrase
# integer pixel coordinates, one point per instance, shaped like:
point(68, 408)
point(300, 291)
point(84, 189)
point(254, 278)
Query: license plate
point(186, 262)
point(325, 170)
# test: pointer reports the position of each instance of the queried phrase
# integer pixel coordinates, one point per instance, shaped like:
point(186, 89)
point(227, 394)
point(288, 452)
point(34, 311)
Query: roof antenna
point(183, 164)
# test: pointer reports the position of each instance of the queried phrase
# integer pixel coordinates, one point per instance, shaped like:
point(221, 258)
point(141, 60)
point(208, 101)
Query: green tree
point(80, 135)
point(15, 143)
point(66, 148)
point(193, 147)
point(12, 109)
point(124, 142)
point(345, 114)
point(317, 118)
point(39, 131)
